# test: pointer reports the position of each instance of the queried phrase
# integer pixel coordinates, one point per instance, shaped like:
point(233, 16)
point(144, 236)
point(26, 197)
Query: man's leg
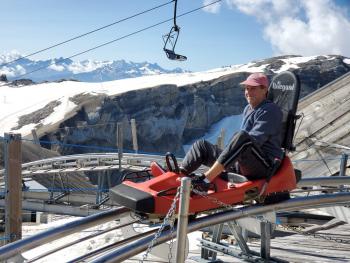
point(251, 165)
point(201, 152)
point(251, 160)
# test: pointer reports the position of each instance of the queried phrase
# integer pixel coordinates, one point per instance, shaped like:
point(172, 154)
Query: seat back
point(284, 91)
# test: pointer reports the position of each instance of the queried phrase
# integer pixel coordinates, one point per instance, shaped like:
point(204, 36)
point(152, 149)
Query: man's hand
point(199, 183)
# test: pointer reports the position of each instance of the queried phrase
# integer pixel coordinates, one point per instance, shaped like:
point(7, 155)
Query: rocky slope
point(168, 116)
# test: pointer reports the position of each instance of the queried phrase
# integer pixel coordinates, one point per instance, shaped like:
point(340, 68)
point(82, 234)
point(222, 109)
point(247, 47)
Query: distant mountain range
point(87, 70)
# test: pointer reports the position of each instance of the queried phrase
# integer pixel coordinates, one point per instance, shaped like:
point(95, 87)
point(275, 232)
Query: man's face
point(255, 94)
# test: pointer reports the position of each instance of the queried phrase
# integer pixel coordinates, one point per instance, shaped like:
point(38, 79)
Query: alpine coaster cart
point(152, 198)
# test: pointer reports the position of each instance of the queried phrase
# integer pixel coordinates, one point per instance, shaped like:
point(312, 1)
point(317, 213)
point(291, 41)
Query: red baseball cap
point(256, 79)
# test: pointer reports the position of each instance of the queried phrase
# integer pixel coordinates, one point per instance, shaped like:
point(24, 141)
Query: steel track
point(138, 246)
point(139, 243)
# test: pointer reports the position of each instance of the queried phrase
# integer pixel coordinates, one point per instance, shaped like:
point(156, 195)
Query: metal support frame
point(342, 170)
point(102, 195)
point(265, 238)
point(343, 164)
point(54, 198)
point(237, 232)
point(216, 237)
point(60, 196)
point(211, 248)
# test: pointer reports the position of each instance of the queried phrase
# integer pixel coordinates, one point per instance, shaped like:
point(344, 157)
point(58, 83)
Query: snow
point(292, 63)
point(229, 124)
point(346, 61)
point(74, 251)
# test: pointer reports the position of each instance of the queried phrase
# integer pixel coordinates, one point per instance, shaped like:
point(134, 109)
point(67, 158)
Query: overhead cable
point(87, 33)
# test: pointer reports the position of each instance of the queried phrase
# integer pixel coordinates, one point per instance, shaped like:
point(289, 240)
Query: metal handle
point(169, 156)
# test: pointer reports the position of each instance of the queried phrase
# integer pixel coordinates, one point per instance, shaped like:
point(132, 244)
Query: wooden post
point(120, 143)
point(13, 187)
point(134, 135)
point(221, 139)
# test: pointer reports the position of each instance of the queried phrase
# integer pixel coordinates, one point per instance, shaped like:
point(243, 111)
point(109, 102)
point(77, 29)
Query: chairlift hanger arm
point(171, 39)
point(175, 8)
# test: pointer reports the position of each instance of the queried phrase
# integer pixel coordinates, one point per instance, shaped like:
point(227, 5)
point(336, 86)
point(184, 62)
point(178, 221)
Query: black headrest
point(284, 90)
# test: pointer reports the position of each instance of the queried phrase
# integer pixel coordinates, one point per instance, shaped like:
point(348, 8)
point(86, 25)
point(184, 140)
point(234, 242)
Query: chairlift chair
point(170, 41)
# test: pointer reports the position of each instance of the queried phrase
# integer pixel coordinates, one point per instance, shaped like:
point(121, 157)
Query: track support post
point(265, 240)
point(342, 168)
point(181, 234)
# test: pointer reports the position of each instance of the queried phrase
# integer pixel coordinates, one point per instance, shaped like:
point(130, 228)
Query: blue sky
point(232, 32)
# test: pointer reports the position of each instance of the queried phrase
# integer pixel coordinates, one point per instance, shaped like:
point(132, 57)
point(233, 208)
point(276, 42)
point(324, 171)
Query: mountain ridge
point(86, 70)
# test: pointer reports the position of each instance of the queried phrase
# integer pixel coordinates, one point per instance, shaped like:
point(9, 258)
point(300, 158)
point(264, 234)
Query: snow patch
point(292, 63)
point(346, 61)
point(297, 60)
point(71, 252)
point(230, 125)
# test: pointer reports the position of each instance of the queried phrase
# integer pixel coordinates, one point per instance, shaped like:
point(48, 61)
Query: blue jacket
point(264, 125)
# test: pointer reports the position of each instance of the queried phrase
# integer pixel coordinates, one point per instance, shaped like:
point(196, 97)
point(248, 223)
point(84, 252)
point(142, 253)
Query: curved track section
point(88, 162)
point(134, 245)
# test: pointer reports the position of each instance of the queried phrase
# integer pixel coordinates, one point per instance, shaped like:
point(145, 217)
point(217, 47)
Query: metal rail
point(73, 161)
point(47, 253)
point(327, 181)
point(140, 245)
point(107, 248)
point(26, 244)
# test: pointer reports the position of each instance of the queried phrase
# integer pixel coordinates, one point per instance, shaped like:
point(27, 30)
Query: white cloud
point(214, 8)
point(56, 67)
point(300, 26)
point(12, 71)
point(10, 56)
point(86, 66)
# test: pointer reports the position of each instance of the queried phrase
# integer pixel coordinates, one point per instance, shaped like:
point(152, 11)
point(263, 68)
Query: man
point(252, 150)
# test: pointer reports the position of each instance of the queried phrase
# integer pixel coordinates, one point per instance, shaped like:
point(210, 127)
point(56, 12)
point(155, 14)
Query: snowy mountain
point(176, 107)
point(87, 70)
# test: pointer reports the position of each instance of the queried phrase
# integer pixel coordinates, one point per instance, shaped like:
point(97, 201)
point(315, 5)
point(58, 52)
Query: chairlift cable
point(117, 39)
point(87, 33)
